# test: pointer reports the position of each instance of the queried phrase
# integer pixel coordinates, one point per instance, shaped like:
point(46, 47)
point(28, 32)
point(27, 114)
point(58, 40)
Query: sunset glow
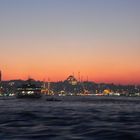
point(54, 39)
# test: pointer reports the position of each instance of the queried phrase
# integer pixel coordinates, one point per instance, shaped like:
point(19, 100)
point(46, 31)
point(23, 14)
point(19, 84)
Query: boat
point(53, 98)
point(29, 90)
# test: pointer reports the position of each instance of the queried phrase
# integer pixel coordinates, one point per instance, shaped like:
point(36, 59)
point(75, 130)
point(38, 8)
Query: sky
point(56, 38)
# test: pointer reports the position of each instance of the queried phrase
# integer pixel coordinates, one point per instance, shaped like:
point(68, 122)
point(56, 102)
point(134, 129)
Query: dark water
point(75, 118)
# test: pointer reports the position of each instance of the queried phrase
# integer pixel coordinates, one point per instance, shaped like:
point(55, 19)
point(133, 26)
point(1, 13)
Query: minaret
point(87, 78)
point(79, 77)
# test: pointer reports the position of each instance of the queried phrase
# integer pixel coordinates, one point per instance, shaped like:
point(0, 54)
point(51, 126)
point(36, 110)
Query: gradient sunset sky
point(56, 38)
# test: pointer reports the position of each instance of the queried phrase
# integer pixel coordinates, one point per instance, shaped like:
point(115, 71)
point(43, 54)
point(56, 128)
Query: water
point(73, 118)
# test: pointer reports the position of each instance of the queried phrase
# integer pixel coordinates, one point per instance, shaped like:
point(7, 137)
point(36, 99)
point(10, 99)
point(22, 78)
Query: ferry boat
point(28, 90)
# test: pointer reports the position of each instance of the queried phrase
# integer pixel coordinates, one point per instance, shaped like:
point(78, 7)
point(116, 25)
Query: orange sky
point(102, 64)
